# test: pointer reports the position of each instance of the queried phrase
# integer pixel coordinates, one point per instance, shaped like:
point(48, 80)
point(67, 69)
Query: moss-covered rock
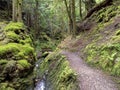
point(61, 76)
point(17, 57)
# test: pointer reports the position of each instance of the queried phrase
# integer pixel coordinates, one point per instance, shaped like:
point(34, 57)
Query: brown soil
point(89, 78)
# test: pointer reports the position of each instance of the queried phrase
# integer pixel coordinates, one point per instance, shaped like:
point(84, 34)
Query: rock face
point(17, 57)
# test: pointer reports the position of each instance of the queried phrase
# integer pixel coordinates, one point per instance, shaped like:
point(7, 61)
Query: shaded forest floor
point(89, 78)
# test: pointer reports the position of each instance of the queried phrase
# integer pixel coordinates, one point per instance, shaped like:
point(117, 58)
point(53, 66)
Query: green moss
point(10, 67)
point(14, 26)
point(16, 57)
point(27, 40)
point(23, 64)
point(12, 35)
point(26, 51)
point(17, 50)
point(3, 62)
point(9, 48)
point(4, 86)
point(16, 32)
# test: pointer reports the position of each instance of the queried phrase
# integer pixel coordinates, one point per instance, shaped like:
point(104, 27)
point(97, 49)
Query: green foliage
point(103, 44)
point(45, 42)
point(106, 56)
point(61, 76)
point(106, 14)
point(117, 32)
point(116, 69)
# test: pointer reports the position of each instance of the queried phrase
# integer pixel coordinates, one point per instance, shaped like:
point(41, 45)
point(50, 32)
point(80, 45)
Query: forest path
point(89, 78)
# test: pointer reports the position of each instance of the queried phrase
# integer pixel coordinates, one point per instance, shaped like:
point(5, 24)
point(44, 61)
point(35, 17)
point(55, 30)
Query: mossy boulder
point(17, 32)
point(17, 57)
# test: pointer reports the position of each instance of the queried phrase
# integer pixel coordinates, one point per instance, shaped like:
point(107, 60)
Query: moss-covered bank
point(104, 48)
point(59, 74)
point(17, 57)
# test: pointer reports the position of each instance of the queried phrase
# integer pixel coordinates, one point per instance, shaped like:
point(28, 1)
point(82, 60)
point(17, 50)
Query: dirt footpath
point(90, 79)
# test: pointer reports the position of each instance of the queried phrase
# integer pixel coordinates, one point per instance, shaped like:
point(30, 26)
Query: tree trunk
point(80, 9)
point(37, 31)
point(19, 10)
point(8, 8)
point(73, 16)
point(68, 9)
point(14, 13)
point(70, 19)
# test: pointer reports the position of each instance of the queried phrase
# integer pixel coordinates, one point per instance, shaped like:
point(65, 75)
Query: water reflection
point(40, 85)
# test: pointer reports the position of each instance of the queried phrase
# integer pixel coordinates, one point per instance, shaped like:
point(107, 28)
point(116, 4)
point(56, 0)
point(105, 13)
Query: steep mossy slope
point(59, 74)
point(104, 48)
point(17, 57)
point(99, 44)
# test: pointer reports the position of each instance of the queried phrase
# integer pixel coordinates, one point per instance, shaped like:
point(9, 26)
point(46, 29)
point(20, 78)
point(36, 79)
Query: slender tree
point(70, 8)
point(73, 16)
point(80, 9)
point(14, 14)
point(37, 18)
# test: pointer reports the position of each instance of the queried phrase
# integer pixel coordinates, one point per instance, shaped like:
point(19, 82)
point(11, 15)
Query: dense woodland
point(59, 44)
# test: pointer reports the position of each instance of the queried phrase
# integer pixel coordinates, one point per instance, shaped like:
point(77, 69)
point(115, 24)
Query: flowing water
point(40, 85)
point(40, 82)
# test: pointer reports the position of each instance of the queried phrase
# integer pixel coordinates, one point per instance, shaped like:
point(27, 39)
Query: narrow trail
point(89, 78)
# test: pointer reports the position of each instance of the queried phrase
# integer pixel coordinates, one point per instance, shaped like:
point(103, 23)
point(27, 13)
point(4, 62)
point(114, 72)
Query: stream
point(40, 85)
